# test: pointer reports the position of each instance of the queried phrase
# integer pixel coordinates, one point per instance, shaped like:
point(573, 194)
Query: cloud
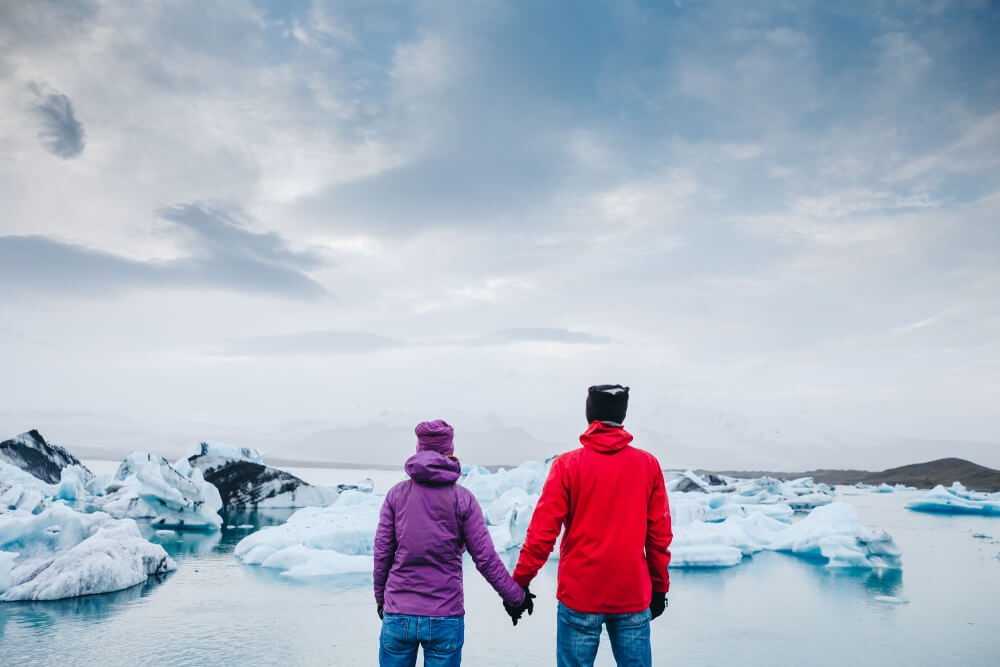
point(757, 200)
point(222, 254)
point(310, 343)
point(61, 134)
point(339, 342)
point(218, 232)
point(540, 335)
point(41, 27)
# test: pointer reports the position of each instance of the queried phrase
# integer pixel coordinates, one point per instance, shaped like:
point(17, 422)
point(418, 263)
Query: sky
point(307, 226)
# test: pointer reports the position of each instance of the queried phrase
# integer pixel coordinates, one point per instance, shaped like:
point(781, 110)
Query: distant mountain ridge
point(921, 475)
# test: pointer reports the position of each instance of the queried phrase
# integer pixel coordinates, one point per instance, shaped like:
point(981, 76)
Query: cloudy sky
point(305, 226)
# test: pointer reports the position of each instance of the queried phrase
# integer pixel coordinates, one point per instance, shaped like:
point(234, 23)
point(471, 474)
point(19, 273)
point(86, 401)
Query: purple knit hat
point(436, 436)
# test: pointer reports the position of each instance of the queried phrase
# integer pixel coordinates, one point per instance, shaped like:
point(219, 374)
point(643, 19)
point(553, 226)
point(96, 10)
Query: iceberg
point(508, 499)
point(716, 498)
point(73, 482)
point(148, 487)
point(832, 533)
point(956, 499)
point(20, 490)
point(690, 482)
point(43, 460)
point(61, 553)
point(224, 450)
point(508, 516)
point(244, 481)
point(487, 487)
point(712, 527)
point(318, 541)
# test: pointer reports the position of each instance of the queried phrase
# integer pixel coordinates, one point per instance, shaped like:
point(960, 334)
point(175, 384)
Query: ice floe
point(337, 539)
point(717, 525)
point(149, 487)
point(43, 460)
point(59, 552)
point(957, 499)
point(243, 480)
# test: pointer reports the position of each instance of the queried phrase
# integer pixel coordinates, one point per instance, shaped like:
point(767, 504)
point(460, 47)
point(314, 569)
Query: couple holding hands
point(608, 496)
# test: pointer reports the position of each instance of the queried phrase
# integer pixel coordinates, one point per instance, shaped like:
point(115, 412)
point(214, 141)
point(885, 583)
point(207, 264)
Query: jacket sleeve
point(659, 534)
point(484, 554)
point(385, 545)
point(546, 524)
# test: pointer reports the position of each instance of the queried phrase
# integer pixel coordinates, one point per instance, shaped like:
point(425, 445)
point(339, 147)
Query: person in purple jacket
point(425, 524)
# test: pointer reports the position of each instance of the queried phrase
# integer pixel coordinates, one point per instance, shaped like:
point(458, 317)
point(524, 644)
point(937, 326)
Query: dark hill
point(921, 475)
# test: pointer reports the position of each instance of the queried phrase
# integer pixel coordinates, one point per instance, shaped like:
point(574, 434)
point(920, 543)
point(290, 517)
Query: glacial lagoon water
point(773, 609)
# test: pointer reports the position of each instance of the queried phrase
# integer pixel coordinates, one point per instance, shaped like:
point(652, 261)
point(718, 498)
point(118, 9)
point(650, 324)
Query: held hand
point(529, 600)
point(381, 613)
point(658, 604)
point(516, 611)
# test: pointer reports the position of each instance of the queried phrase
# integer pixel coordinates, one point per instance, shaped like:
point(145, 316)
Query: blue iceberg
point(956, 499)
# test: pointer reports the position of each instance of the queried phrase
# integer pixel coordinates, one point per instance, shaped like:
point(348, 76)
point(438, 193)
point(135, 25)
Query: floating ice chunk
point(318, 541)
point(833, 533)
point(702, 544)
point(6, 567)
point(891, 599)
point(148, 487)
point(224, 450)
point(299, 562)
point(809, 501)
point(690, 482)
point(487, 487)
point(63, 553)
point(20, 490)
point(366, 485)
point(957, 500)
point(708, 555)
point(43, 460)
point(715, 498)
point(244, 483)
point(688, 508)
point(508, 516)
point(73, 483)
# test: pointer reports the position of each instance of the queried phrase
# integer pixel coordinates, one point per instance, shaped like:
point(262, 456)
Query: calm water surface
point(773, 609)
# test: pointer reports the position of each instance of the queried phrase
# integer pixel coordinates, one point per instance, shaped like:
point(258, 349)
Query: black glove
point(516, 611)
point(381, 613)
point(658, 604)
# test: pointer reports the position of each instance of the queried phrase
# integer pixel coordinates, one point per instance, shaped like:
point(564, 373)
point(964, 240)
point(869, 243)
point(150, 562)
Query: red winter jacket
point(616, 548)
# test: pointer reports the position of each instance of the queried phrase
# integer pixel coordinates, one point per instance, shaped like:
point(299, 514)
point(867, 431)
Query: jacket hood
point(429, 467)
point(604, 438)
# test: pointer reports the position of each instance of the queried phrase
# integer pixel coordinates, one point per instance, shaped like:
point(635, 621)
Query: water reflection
point(41, 615)
point(879, 582)
point(256, 518)
point(186, 543)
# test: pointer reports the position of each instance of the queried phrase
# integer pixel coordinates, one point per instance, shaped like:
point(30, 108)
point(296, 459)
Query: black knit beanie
point(607, 403)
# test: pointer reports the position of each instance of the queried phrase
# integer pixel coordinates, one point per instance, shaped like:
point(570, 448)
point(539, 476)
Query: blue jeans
point(578, 634)
point(441, 636)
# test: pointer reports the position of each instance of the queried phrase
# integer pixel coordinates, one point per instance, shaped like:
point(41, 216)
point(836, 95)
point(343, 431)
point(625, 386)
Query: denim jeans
point(578, 634)
point(441, 636)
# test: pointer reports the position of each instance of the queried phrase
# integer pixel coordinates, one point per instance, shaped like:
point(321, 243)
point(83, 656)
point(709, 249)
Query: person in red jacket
point(610, 498)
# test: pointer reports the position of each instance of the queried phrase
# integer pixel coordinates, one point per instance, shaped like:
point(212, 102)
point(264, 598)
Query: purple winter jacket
point(426, 523)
